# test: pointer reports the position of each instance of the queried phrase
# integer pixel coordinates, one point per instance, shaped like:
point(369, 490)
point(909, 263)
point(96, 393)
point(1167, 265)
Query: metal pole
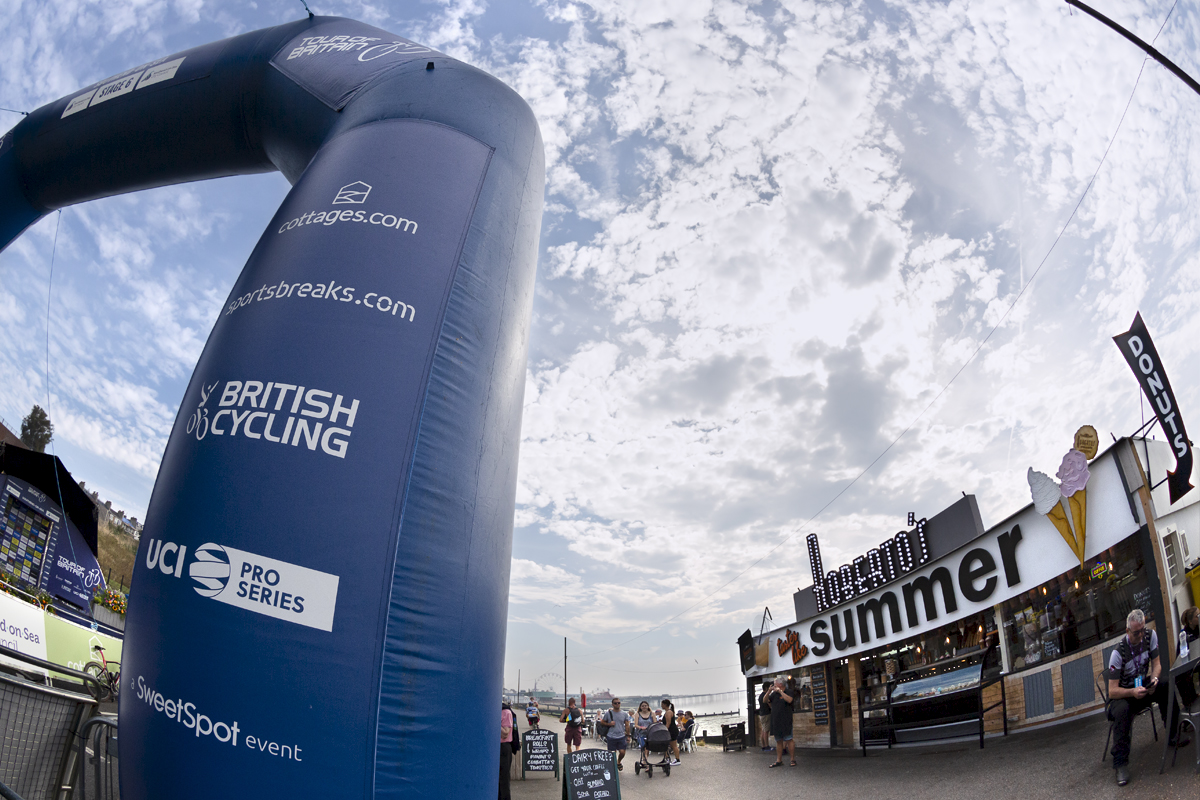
point(1150, 51)
point(565, 672)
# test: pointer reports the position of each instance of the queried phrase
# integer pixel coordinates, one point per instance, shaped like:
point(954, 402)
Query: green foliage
point(37, 430)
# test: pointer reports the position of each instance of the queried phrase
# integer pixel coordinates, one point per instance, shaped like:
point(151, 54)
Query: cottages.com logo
point(251, 582)
point(351, 194)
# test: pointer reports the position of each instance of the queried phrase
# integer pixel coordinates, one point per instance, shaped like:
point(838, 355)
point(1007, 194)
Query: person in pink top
point(508, 721)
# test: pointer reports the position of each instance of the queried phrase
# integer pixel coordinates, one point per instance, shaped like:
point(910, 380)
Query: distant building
point(8, 437)
point(106, 514)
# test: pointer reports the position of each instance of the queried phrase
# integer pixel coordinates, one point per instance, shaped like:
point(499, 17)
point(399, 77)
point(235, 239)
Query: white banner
point(22, 626)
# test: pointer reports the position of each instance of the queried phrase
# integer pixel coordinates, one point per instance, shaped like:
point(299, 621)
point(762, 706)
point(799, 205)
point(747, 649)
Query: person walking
point(668, 709)
point(574, 719)
point(643, 720)
point(533, 714)
point(616, 724)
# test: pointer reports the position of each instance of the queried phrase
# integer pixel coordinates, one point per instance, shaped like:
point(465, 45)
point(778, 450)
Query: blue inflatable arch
point(320, 599)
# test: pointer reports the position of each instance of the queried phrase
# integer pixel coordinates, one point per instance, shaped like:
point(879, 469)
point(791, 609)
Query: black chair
point(1102, 678)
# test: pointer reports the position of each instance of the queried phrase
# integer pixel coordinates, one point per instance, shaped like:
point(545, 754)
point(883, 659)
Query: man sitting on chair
point(1134, 669)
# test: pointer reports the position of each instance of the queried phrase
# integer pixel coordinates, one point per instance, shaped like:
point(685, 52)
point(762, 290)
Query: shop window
point(1078, 609)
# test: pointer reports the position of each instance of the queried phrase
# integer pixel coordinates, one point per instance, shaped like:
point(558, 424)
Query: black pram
point(656, 739)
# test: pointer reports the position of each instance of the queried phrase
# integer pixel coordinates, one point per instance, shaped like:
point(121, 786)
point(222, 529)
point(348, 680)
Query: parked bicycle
point(107, 674)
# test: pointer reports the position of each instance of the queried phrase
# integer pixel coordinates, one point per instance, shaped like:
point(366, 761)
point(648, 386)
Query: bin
point(1194, 579)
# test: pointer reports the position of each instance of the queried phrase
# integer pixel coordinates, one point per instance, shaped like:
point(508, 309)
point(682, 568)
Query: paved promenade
point(1060, 762)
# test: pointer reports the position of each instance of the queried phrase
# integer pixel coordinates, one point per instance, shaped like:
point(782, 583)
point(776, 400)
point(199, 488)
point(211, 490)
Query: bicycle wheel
point(100, 689)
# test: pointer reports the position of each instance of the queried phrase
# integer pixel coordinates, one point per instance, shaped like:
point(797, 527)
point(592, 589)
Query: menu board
point(820, 697)
point(591, 775)
point(539, 751)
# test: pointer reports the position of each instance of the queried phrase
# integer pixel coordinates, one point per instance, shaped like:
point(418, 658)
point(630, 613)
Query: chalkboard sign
point(733, 737)
point(539, 752)
point(591, 775)
point(1142, 600)
point(820, 697)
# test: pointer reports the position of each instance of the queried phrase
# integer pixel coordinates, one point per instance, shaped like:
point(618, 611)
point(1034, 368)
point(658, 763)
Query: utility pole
point(565, 672)
point(1150, 51)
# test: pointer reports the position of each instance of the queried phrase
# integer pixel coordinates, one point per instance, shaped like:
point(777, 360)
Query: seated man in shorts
point(616, 724)
point(574, 719)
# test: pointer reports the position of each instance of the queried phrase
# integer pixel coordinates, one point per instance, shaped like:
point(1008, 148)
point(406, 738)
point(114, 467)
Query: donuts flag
point(322, 581)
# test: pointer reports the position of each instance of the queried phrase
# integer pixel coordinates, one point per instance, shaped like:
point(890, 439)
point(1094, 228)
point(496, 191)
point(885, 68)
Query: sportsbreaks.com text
point(325, 291)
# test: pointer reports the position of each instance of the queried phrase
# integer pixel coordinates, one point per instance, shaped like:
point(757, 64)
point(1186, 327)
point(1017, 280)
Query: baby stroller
point(657, 739)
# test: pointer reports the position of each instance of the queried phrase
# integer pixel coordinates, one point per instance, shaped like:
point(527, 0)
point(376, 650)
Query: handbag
point(516, 740)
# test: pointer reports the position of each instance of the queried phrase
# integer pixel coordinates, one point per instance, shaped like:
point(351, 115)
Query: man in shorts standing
point(616, 722)
point(781, 721)
point(574, 719)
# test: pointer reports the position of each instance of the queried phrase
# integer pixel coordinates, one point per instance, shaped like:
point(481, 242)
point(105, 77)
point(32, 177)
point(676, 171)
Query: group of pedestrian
point(776, 704)
point(620, 727)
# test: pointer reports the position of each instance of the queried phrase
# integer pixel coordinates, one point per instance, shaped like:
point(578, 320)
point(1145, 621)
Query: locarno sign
point(329, 538)
point(1013, 557)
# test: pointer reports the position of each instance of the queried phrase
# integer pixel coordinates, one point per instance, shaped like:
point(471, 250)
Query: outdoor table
point(1182, 667)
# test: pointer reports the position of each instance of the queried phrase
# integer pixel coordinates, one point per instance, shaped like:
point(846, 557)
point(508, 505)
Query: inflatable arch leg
point(319, 604)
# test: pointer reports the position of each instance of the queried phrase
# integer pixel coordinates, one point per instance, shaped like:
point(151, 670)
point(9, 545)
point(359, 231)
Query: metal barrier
point(38, 729)
point(97, 775)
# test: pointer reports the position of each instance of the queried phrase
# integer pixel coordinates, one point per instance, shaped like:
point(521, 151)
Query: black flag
point(1138, 349)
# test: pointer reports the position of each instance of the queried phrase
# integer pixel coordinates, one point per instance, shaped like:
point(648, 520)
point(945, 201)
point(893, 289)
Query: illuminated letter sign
point(898, 556)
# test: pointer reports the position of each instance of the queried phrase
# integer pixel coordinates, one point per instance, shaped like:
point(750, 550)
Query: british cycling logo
point(251, 582)
point(353, 193)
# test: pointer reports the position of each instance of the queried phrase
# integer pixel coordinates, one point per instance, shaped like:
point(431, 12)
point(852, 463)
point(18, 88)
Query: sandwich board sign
point(591, 775)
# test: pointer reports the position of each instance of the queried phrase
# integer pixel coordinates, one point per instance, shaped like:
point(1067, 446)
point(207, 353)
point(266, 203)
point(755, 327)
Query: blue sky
point(773, 233)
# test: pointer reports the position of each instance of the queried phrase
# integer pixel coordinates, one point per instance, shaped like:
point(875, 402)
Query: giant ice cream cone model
point(1064, 505)
point(1047, 499)
point(1074, 476)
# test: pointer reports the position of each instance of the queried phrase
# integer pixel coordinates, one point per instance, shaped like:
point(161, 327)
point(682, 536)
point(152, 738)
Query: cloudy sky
point(774, 233)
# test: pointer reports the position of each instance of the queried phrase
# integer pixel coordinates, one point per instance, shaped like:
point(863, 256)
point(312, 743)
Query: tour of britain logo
point(353, 193)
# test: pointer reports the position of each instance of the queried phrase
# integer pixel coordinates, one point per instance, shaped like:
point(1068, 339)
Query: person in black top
point(781, 721)
point(672, 726)
point(764, 717)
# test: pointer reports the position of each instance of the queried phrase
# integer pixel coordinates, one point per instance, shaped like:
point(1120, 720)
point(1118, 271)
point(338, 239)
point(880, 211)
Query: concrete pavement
point(1060, 762)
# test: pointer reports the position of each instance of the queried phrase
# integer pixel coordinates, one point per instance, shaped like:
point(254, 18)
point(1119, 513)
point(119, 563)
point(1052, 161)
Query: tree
point(37, 430)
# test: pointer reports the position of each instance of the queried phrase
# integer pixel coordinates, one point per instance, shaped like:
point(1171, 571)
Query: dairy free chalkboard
point(591, 775)
point(539, 752)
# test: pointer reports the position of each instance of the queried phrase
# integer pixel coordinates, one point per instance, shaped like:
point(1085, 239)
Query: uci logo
point(251, 582)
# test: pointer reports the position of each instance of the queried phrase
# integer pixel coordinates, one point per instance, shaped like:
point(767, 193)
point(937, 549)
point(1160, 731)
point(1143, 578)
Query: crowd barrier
point(50, 735)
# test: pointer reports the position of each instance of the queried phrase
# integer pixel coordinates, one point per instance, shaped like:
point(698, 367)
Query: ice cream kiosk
point(948, 629)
